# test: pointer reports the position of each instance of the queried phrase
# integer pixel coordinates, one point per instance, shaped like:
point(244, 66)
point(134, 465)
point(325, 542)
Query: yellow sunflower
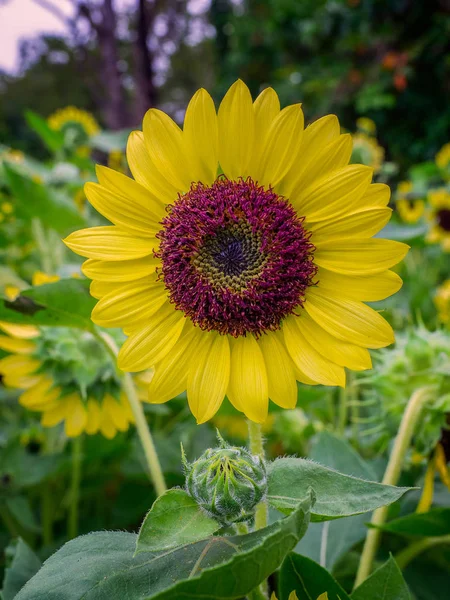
point(409, 209)
point(439, 218)
point(49, 364)
point(366, 125)
point(366, 150)
point(72, 116)
point(443, 157)
point(442, 301)
point(241, 254)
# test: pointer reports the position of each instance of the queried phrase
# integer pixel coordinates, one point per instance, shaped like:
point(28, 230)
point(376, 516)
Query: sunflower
point(442, 301)
point(366, 125)
point(443, 157)
point(241, 254)
point(409, 209)
point(366, 150)
point(49, 364)
point(439, 218)
point(71, 117)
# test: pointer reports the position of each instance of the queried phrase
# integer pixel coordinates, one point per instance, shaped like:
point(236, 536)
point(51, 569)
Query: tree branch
point(54, 10)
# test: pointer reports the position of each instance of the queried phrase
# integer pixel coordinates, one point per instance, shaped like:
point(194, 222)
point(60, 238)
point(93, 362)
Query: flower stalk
point(77, 458)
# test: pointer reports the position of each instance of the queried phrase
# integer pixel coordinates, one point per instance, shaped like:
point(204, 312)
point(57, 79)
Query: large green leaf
point(433, 523)
point(327, 542)
point(56, 210)
point(386, 583)
point(54, 140)
point(337, 495)
point(308, 579)
point(101, 566)
point(65, 303)
point(23, 566)
point(175, 519)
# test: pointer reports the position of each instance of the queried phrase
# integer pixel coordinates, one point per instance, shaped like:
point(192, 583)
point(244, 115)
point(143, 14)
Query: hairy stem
point(145, 436)
point(402, 441)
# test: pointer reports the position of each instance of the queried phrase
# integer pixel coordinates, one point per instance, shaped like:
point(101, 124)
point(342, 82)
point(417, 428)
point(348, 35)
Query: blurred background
point(384, 59)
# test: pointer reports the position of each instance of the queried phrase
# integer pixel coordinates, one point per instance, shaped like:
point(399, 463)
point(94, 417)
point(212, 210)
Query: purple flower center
point(235, 257)
point(443, 219)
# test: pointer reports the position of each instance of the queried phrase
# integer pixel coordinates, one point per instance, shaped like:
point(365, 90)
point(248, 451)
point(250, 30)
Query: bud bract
point(227, 482)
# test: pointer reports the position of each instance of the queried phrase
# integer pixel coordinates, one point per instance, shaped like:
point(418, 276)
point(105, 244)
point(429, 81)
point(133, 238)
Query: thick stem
point(47, 514)
point(77, 458)
point(402, 441)
point(404, 557)
point(142, 427)
point(256, 444)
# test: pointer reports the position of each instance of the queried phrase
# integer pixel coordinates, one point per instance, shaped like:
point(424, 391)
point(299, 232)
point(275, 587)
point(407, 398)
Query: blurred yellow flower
point(235, 426)
point(367, 151)
point(410, 211)
point(293, 596)
point(443, 156)
point(442, 301)
point(72, 115)
point(39, 278)
point(14, 156)
point(7, 208)
point(366, 125)
point(439, 218)
point(117, 161)
point(11, 291)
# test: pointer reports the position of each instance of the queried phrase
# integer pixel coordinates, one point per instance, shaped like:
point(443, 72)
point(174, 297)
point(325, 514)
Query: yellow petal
point(55, 415)
point(107, 427)
point(166, 147)
point(126, 214)
point(43, 394)
point(201, 137)
point(25, 332)
point(116, 412)
point(130, 191)
point(281, 146)
point(236, 130)
point(333, 157)
point(76, 415)
point(280, 370)
point(315, 137)
point(109, 243)
point(363, 224)
point(266, 107)
point(170, 377)
point(98, 289)
point(145, 172)
point(359, 257)
point(93, 416)
point(350, 321)
point(308, 360)
point(16, 345)
point(376, 196)
point(208, 377)
point(131, 303)
point(120, 271)
point(22, 382)
point(367, 289)
point(18, 365)
point(248, 387)
point(149, 345)
point(334, 196)
point(339, 352)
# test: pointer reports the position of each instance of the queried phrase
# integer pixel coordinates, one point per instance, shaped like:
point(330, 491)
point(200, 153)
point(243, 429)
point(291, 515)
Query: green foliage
point(386, 583)
point(23, 565)
point(435, 522)
point(337, 495)
point(175, 519)
point(218, 567)
point(54, 140)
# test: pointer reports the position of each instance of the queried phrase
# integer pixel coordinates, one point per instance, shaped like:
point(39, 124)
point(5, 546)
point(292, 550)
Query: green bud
point(227, 482)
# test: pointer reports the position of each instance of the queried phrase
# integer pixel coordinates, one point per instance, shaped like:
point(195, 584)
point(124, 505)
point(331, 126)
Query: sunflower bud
point(227, 482)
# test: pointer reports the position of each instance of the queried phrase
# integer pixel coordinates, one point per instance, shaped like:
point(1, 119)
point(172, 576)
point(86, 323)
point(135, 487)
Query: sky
point(25, 18)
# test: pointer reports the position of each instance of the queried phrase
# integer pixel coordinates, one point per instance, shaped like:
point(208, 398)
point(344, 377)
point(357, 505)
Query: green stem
point(343, 411)
point(402, 442)
point(47, 514)
point(151, 455)
point(256, 444)
point(404, 557)
point(42, 244)
point(8, 521)
point(77, 458)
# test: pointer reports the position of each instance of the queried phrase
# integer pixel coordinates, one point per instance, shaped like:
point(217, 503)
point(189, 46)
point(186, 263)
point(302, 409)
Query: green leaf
point(107, 141)
point(54, 140)
point(337, 495)
point(433, 523)
point(175, 519)
point(56, 210)
point(386, 583)
point(64, 303)
point(101, 566)
point(308, 579)
point(402, 233)
point(19, 469)
point(24, 565)
point(20, 508)
point(327, 542)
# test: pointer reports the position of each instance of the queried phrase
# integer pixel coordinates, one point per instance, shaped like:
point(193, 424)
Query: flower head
point(443, 157)
point(72, 117)
point(439, 218)
point(442, 301)
point(241, 254)
point(409, 208)
point(50, 365)
point(366, 150)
